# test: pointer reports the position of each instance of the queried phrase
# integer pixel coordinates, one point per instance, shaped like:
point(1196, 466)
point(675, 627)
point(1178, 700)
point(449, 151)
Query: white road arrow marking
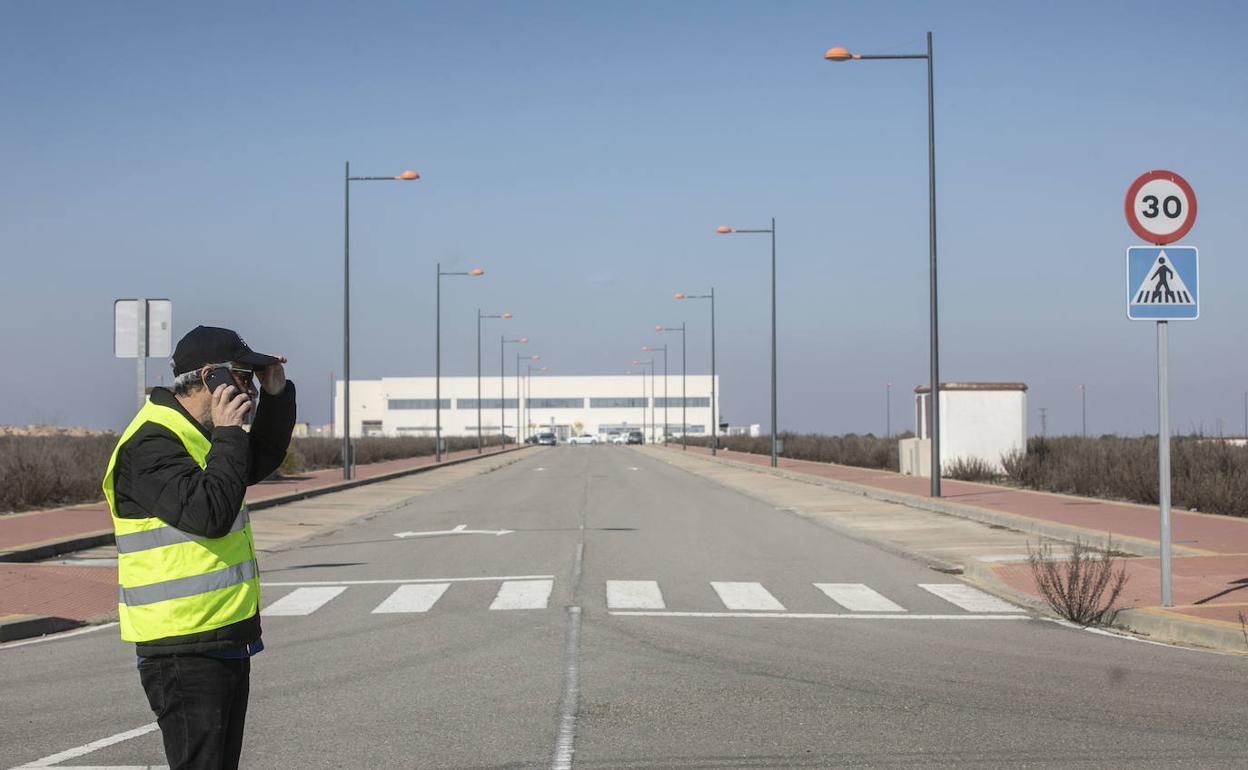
point(462, 529)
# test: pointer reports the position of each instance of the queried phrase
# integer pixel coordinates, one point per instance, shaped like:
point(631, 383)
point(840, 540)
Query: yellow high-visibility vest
point(172, 583)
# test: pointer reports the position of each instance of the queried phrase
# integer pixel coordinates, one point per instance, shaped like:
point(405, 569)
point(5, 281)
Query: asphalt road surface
point(638, 616)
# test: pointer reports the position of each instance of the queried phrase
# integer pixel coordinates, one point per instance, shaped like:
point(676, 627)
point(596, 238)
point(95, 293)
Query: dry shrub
point(309, 454)
point(1084, 588)
point(50, 471)
point(970, 469)
point(862, 451)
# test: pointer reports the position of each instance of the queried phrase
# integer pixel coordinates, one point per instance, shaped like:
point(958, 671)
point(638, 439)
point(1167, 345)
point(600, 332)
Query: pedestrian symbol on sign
point(1163, 283)
point(1157, 287)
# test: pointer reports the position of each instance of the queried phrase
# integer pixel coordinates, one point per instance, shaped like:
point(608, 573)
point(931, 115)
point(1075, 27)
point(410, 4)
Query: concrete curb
point(1156, 623)
point(16, 627)
point(51, 548)
point(1069, 533)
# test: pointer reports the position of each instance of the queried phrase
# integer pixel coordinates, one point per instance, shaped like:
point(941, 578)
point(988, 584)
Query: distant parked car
point(635, 437)
point(547, 439)
point(584, 438)
point(615, 438)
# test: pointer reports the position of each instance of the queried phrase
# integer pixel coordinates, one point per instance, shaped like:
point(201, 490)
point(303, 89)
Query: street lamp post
point(888, 410)
point(1083, 397)
point(772, 232)
point(714, 406)
point(480, 316)
point(518, 424)
point(644, 404)
point(437, 377)
point(649, 348)
point(684, 394)
point(502, 386)
point(406, 176)
point(839, 55)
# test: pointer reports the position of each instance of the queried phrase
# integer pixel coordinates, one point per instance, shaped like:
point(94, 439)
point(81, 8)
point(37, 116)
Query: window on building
point(556, 403)
point(617, 403)
point(486, 403)
point(692, 401)
point(416, 403)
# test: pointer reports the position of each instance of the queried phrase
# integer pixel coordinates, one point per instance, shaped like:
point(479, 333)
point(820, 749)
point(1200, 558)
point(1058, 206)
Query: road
point(719, 650)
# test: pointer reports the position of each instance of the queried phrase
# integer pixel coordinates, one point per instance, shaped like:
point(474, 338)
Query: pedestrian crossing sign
point(1163, 283)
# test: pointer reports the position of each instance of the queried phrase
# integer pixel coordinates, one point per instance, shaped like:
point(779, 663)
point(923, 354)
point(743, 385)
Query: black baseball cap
point(205, 345)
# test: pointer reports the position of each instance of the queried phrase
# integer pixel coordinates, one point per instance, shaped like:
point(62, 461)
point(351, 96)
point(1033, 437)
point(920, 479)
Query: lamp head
point(408, 176)
point(838, 54)
point(680, 295)
point(476, 271)
point(524, 340)
point(506, 315)
point(723, 229)
point(658, 327)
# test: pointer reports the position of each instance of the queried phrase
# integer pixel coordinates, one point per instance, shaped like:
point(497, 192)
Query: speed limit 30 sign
point(1161, 207)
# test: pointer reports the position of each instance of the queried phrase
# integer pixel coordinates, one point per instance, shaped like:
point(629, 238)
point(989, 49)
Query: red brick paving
point(77, 593)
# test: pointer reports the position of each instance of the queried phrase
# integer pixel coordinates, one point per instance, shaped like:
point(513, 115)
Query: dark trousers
point(200, 703)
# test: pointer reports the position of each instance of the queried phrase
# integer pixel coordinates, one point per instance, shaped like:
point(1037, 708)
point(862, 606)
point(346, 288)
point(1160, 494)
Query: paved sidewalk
point(1210, 568)
point(44, 597)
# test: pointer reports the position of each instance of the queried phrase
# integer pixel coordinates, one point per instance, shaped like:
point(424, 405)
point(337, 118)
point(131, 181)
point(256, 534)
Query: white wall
point(372, 399)
point(976, 423)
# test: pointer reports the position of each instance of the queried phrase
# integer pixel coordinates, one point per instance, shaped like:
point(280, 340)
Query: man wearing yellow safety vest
point(189, 586)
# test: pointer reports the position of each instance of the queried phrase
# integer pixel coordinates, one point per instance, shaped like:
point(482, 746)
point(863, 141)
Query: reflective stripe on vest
point(172, 583)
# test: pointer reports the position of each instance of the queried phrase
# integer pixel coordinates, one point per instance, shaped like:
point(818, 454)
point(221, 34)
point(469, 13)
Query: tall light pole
point(437, 377)
point(714, 409)
point(649, 348)
point(1083, 397)
point(480, 316)
point(406, 176)
point(888, 410)
point(722, 230)
point(648, 362)
point(518, 424)
point(684, 393)
point(502, 389)
point(841, 55)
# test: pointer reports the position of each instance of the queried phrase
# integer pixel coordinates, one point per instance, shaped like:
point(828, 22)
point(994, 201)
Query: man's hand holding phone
point(230, 406)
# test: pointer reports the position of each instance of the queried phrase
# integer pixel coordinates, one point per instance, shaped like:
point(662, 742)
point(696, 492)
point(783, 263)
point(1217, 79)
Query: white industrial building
point(568, 405)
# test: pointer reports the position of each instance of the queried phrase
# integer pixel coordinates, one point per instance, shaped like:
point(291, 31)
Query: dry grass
point(51, 471)
point(866, 451)
point(1084, 588)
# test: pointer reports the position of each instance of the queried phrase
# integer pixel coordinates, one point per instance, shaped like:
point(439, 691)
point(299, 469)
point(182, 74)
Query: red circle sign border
point(1129, 208)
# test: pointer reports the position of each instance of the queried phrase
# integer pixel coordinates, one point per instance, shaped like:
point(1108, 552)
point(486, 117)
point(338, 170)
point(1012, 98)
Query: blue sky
point(582, 153)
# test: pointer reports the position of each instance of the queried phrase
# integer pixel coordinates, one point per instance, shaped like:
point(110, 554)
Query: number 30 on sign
point(1161, 207)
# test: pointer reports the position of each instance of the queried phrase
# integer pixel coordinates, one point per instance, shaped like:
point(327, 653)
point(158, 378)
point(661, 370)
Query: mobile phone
point(218, 377)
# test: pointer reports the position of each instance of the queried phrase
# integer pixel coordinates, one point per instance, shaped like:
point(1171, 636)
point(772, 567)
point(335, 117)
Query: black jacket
point(155, 476)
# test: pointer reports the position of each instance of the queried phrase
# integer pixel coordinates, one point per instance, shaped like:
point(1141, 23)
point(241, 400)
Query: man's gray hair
point(188, 382)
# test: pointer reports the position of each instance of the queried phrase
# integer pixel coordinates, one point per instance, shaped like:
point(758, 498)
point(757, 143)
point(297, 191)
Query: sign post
point(142, 328)
point(1163, 284)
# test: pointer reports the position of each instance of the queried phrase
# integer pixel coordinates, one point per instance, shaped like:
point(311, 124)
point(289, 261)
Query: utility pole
point(1044, 422)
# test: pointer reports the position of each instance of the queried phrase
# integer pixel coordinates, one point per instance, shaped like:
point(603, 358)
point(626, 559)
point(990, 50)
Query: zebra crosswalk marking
point(857, 597)
point(412, 598)
point(303, 601)
point(523, 595)
point(634, 595)
point(746, 596)
point(968, 598)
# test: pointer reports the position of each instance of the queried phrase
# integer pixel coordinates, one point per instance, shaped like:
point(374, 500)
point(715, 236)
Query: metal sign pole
point(141, 359)
point(1163, 456)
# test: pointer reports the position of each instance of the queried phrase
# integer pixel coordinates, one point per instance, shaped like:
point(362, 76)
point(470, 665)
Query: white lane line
point(968, 598)
point(405, 580)
point(812, 615)
point(634, 595)
point(302, 601)
point(746, 596)
point(55, 637)
point(412, 598)
point(858, 597)
point(108, 767)
point(523, 595)
point(87, 748)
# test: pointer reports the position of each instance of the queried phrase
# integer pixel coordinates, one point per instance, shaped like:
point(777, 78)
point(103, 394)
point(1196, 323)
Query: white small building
point(566, 405)
point(978, 420)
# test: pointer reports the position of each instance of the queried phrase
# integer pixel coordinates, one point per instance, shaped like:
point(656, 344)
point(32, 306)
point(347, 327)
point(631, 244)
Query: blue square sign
point(1163, 283)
